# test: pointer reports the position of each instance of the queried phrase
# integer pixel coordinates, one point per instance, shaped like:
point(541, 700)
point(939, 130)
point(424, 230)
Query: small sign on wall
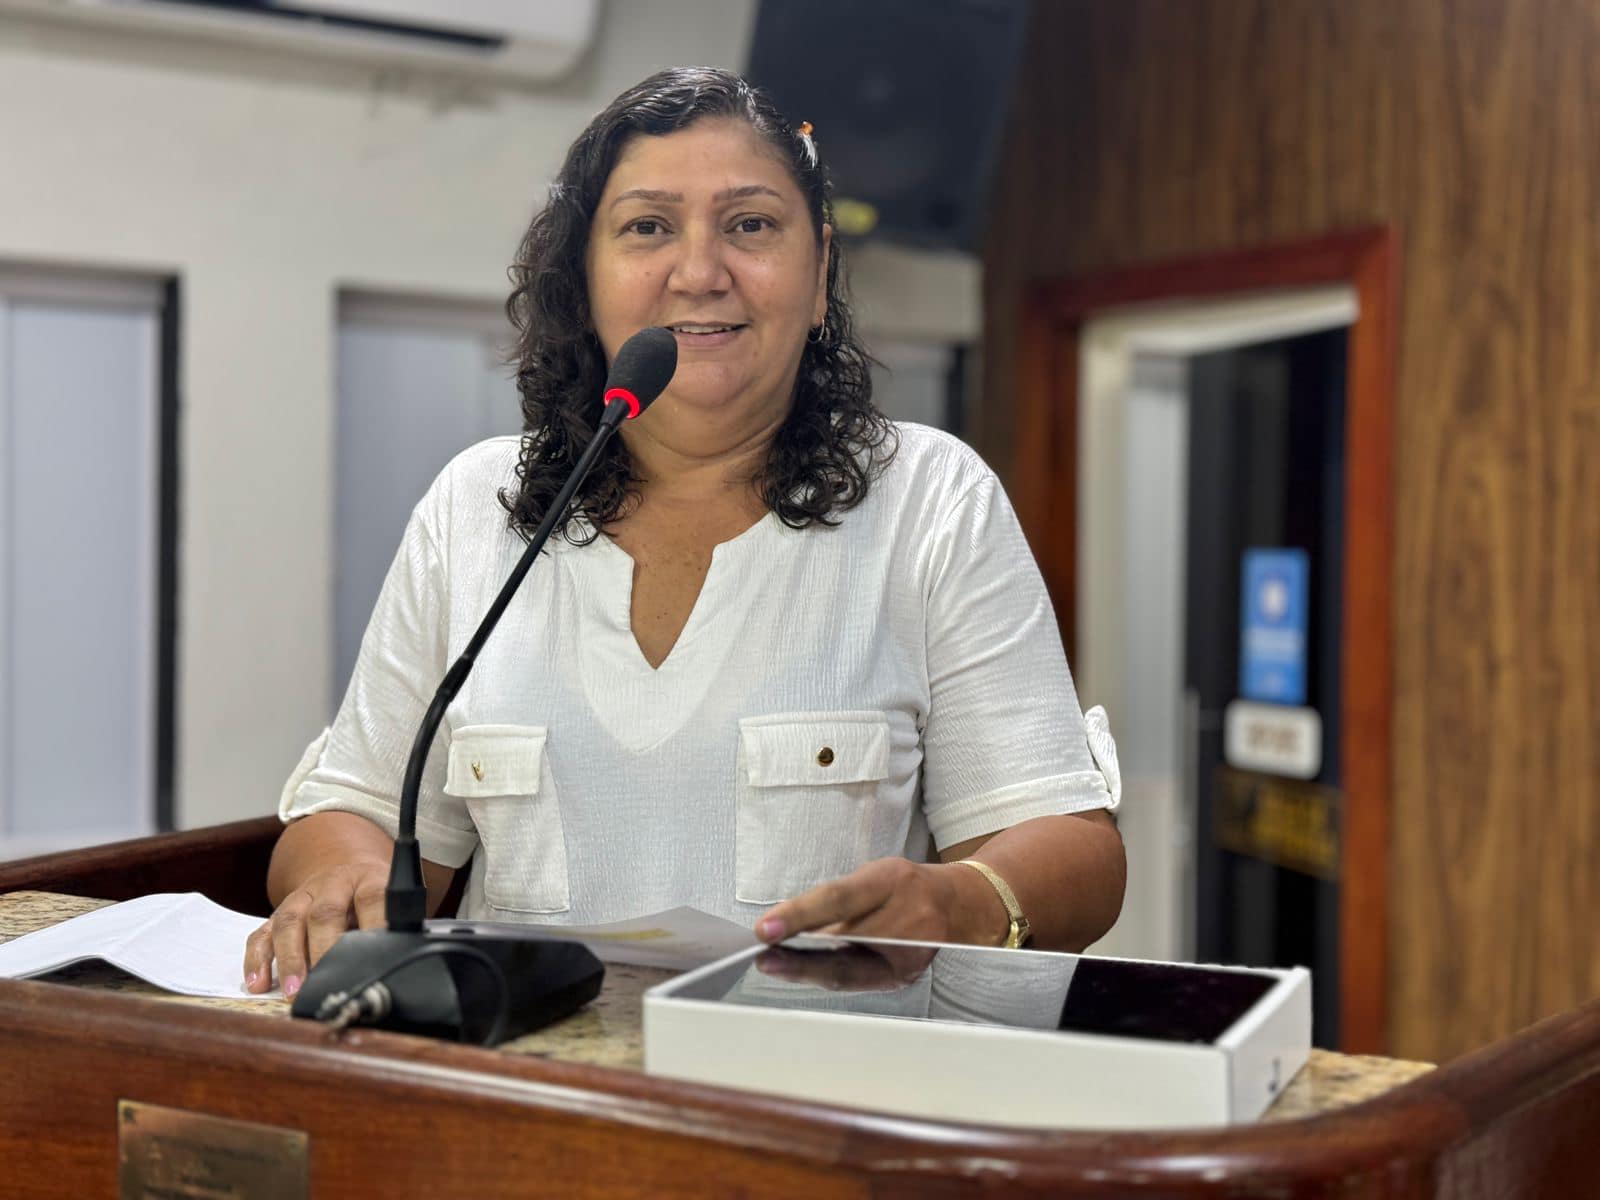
point(1272, 630)
point(1281, 821)
point(1272, 738)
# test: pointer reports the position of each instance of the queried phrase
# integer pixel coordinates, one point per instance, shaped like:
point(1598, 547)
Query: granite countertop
point(607, 1032)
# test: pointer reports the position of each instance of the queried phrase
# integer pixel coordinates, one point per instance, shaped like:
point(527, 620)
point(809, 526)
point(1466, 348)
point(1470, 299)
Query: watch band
point(1020, 930)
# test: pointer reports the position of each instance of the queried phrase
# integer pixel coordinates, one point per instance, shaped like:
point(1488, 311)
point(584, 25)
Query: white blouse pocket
point(502, 773)
point(805, 792)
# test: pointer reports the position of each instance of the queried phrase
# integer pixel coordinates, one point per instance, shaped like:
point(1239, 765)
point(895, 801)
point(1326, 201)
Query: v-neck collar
point(642, 706)
point(621, 588)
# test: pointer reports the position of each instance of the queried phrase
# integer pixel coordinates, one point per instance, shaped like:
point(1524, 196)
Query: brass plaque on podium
point(173, 1154)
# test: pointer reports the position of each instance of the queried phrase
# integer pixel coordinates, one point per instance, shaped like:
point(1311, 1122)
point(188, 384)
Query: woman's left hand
point(895, 898)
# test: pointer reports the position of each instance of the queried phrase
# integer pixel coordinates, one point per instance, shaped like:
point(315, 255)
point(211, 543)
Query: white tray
point(976, 1036)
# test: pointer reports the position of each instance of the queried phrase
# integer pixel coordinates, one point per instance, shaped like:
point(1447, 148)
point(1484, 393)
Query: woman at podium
point(783, 652)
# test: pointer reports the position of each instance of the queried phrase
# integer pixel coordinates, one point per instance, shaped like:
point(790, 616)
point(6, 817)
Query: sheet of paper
point(179, 941)
point(677, 939)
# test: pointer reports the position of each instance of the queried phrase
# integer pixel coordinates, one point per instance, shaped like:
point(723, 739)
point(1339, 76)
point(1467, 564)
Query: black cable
point(342, 1008)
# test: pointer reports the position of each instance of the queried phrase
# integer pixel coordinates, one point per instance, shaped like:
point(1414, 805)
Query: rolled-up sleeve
point(357, 764)
point(1004, 739)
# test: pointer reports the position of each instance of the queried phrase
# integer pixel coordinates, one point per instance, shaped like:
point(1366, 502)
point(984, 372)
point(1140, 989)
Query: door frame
point(1044, 487)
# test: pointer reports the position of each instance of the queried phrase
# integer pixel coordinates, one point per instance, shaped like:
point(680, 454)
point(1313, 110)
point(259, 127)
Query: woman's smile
point(706, 335)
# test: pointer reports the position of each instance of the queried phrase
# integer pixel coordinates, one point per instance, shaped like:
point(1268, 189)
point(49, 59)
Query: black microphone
point(453, 982)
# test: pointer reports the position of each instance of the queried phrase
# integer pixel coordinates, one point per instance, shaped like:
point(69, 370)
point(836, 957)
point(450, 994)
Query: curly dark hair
point(833, 444)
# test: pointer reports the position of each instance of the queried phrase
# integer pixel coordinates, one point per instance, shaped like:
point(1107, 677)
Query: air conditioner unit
point(529, 41)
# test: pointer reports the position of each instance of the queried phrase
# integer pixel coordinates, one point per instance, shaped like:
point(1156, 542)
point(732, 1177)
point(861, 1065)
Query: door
point(1266, 475)
point(418, 382)
point(81, 611)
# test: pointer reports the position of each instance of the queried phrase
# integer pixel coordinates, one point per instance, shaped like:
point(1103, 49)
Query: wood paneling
point(1156, 129)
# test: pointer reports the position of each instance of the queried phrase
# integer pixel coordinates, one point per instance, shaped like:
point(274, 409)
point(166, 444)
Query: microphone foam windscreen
point(645, 364)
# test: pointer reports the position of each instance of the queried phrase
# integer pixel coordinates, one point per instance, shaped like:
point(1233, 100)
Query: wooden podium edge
point(225, 862)
point(1516, 1119)
point(1518, 1110)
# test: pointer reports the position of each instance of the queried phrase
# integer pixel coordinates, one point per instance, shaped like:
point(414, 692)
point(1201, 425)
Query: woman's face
point(704, 231)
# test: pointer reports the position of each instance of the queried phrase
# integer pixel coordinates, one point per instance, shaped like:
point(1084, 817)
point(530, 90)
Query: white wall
point(265, 185)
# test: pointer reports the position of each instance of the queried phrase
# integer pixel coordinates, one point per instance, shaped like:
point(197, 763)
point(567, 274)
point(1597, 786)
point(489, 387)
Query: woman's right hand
point(311, 919)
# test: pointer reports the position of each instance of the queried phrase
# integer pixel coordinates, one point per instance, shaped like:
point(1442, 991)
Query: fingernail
point(291, 985)
point(769, 930)
point(251, 980)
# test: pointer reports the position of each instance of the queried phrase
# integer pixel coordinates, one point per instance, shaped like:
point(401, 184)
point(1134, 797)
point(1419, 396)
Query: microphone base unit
point(440, 983)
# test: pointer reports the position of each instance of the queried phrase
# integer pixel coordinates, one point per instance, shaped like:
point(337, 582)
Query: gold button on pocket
point(502, 776)
point(807, 799)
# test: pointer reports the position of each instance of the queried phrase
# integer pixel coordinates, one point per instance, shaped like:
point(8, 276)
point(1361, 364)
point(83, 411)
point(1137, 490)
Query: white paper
point(677, 939)
point(184, 943)
point(179, 941)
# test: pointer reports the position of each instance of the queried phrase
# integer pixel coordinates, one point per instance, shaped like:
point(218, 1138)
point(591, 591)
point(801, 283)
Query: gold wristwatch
point(1020, 930)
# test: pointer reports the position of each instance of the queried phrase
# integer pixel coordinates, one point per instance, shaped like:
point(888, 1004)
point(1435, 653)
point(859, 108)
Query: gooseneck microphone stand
point(458, 983)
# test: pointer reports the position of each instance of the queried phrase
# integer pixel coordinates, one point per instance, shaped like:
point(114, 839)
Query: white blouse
point(837, 695)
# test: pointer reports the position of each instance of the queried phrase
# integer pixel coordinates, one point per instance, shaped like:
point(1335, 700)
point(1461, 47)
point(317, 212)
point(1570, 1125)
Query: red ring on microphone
point(623, 394)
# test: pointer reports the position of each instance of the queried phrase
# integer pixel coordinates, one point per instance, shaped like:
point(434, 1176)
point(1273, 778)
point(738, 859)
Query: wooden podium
point(92, 1079)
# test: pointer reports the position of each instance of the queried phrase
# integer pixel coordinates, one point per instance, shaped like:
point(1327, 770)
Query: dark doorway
point(1266, 470)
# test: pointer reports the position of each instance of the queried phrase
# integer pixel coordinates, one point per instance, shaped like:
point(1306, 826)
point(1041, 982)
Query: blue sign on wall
point(1272, 634)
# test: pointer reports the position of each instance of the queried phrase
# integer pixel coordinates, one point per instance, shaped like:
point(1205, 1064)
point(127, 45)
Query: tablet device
point(1065, 1040)
point(1161, 1001)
